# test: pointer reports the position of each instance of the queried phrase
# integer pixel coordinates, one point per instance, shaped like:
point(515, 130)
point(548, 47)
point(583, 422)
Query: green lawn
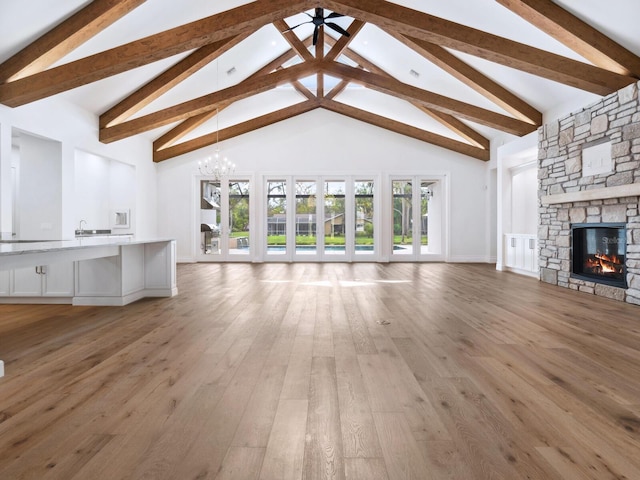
point(397, 240)
point(311, 240)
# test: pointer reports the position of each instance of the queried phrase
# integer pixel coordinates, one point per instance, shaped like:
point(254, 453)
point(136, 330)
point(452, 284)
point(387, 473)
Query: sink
point(92, 233)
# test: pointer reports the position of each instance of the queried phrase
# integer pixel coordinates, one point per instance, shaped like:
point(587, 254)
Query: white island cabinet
point(51, 283)
point(88, 271)
point(141, 270)
point(52, 280)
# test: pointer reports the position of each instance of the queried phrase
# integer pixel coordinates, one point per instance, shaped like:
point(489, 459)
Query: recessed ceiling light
point(273, 43)
point(365, 42)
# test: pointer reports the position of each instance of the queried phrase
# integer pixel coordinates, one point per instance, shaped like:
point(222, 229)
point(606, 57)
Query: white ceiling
point(22, 21)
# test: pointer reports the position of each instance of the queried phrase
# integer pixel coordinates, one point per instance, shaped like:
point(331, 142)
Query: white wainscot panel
point(160, 272)
point(133, 269)
point(98, 277)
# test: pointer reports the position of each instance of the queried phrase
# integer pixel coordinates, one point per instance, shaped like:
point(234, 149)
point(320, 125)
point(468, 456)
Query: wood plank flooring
point(325, 371)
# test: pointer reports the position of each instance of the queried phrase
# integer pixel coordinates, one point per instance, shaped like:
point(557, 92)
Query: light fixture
point(216, 167)
point(219, 166)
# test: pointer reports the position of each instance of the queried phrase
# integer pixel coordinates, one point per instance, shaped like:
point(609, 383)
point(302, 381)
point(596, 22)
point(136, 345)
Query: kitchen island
point(107, 271)
point(114, 270)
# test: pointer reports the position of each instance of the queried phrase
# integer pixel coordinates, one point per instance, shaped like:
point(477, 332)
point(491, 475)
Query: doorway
point(224, 220)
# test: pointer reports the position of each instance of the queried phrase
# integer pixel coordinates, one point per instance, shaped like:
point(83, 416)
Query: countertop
point(22, 247)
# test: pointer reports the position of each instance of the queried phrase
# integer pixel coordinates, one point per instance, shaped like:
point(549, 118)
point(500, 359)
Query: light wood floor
point(325, 371)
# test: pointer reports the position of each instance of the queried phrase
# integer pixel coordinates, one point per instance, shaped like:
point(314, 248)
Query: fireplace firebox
point(598, 253)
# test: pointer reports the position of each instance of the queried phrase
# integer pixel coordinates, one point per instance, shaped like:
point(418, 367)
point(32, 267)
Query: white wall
point(91, 190)
point(102, 185)
point(524, 201)
point(322, 142)
point(76, 129)
point(40, 193)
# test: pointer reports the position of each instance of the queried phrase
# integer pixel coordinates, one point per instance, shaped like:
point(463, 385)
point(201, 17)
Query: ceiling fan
point(319, 19)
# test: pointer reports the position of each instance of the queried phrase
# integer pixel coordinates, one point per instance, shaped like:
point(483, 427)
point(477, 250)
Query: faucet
point(82, 229)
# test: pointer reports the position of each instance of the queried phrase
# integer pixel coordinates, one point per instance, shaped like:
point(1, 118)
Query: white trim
point(469, 259)
point(527, 273)
point(36, 300)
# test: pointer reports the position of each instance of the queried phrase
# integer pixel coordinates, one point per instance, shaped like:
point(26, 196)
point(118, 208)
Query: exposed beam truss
point(405, 129)
point(247, 18)
point(234, 131)
point(167, 80)
point(206, 103)
point(431, 100)
point(23, 77)
point(412, 23)
point(65, 37)
point(577, 35)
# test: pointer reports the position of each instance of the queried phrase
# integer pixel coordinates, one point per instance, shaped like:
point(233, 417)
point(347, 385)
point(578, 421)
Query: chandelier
point(218, 166)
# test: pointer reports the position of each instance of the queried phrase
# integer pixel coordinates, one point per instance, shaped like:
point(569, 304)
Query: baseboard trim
point(469, 259)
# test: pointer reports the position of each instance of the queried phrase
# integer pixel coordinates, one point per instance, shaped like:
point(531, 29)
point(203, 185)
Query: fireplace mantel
point(620, 191)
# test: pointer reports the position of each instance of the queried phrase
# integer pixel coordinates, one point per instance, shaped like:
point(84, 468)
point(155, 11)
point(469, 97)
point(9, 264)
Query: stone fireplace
point(589, 187)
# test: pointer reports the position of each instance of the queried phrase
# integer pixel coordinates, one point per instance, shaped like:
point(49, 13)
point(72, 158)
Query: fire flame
point(601, 263)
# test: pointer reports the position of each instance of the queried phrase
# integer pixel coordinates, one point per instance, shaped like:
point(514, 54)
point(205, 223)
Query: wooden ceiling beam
point(320, 56)
point(301, 49)
point(167, 80)
point(234, 131)
point(246, 18)
point(579, 36)
point(413, 23)
point(403, 129)
point(472, 78)
point(456, 126)
point(391, 86)
point(194, 122)
point(65, 37)
point(206, 103)
point(337, 90)
point(343, 42)
point(184, 128)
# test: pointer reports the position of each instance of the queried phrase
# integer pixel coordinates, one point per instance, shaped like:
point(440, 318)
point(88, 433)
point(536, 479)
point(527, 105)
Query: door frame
point(439, 203)
point(225, 255)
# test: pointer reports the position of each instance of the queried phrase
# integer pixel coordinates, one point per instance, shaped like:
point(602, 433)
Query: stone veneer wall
point(560, 143)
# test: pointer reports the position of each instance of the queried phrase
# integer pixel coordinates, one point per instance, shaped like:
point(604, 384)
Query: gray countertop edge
point(84, 242)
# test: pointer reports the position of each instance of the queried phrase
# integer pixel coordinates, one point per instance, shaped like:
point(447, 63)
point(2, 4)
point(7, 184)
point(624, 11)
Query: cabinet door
point(530, 253)
point(26, 282)
point(58, 280)
point(510, 250)
point(4, 283)
point(520, 252)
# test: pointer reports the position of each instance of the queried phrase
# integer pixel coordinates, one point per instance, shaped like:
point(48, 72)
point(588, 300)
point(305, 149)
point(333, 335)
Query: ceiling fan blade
point(315, 35)
point(291, 28)
point(338, 29)
point(334, 15)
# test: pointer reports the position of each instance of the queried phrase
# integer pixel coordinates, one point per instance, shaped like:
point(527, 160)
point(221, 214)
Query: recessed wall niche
point(36, 169)
point(102, 186)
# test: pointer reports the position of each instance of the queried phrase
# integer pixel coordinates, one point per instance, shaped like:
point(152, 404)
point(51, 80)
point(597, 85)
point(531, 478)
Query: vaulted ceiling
point(452, 75)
